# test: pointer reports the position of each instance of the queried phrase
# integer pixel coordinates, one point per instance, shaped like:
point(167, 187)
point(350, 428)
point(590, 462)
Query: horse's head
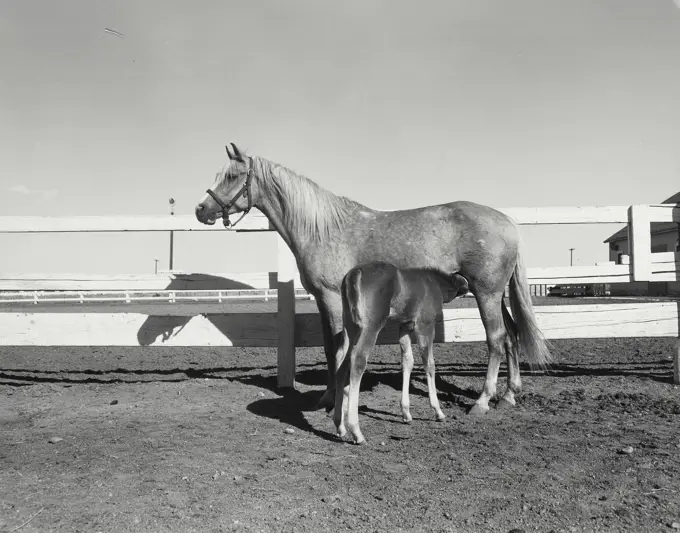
point(232, 192)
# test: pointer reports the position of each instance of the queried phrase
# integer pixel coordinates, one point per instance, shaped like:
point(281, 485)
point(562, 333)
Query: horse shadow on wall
point(253, 325)
point(158, 328)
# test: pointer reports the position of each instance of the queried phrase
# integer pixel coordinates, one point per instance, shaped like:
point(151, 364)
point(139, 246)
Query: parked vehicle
point(593, 289)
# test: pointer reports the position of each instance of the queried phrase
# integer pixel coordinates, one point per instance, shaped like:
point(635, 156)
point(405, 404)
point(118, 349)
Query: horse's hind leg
point(514, 379)
point(406, 369)
point(512, 353)
point(426, 341)
point(496, 336)
point(358, 356)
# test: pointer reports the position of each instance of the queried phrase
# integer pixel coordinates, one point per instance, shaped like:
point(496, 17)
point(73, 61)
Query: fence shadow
point(167, 326)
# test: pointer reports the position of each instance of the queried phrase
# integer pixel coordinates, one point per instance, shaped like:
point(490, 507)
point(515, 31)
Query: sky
point(395, 104)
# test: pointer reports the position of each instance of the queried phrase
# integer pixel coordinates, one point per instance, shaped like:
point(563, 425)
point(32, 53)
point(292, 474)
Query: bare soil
point(200, 439)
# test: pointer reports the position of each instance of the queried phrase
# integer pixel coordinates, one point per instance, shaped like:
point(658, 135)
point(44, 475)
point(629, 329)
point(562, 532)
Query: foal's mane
point(309, 209)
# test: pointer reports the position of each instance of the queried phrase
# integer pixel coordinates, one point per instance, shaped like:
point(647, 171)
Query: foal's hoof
point(407, 419)
point(360, 442)
point(440, 417)
point(504, 405)
point(477, 410)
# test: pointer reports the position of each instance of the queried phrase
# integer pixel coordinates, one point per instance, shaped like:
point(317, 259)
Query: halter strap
point(245, 191)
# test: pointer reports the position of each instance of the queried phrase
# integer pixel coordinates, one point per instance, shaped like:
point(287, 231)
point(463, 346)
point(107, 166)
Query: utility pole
point(155, 266)
point(172, 233)
point(571, 256)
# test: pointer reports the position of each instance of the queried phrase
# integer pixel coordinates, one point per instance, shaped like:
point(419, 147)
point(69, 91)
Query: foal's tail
point(531, 341)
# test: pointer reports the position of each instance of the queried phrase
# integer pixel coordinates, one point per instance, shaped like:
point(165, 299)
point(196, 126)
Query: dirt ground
point(182, 440)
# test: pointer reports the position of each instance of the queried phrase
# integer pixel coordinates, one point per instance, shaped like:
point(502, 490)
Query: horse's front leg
point(342, 382)
point(330, 311)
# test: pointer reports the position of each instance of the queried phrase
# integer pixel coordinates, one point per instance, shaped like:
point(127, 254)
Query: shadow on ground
point(314, 374)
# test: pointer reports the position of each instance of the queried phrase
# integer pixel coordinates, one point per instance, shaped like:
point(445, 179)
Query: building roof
point(657, 227)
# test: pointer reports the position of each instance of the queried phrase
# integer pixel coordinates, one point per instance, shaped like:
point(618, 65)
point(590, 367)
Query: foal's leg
point(426, 342)
point(406, 368)
point(358, 360)
point(496, 336)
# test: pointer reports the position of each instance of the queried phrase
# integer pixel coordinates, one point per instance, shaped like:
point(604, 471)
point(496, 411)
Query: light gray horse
point(372, 294)
point(330, 234)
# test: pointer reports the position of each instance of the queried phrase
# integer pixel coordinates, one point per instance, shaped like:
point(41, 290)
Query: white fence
point(208, 309)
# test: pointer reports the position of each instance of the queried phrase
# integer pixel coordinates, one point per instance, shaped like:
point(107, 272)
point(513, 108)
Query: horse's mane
point(309, 209)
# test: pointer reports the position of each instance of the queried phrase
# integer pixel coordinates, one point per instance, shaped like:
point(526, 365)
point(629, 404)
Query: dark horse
point(330, 234)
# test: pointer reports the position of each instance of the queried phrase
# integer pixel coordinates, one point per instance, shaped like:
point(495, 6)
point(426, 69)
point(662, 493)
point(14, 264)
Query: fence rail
point(80, 224)
point(256, 221)
point(130, 297)
point(131, 282)
point(663, 266)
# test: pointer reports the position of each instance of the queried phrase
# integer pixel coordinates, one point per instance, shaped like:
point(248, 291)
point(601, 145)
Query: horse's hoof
point(440, 417)
point(504, 405)
point(360, 442)
point(477, 410)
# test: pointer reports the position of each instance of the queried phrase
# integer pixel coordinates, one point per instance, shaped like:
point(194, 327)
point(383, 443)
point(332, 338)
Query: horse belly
point(412, 246)
point(451, 237)
point(401, 248)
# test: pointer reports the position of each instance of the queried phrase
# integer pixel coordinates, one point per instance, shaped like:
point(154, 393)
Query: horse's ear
point(230, 154)
point(237, 153)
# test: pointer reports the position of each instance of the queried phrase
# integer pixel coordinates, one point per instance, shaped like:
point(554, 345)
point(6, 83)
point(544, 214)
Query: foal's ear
point(229, 153)
point(237, 153)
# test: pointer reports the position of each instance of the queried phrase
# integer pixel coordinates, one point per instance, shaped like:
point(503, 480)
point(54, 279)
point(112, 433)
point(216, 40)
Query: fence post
point(285, 317)
point(640, 241)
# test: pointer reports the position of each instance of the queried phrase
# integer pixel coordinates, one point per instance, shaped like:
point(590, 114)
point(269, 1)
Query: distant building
point(665, 238)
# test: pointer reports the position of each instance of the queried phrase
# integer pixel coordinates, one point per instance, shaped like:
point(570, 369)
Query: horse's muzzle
point(202, 217)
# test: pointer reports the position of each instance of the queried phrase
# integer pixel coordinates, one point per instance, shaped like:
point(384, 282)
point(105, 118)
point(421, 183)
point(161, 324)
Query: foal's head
point(234, 190)
point(457, 286)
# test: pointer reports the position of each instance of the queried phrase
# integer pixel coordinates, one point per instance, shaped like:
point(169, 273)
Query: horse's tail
point(531, 341)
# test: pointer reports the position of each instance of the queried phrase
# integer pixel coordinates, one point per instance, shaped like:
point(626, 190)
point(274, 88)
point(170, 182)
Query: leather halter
point(245, 191)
